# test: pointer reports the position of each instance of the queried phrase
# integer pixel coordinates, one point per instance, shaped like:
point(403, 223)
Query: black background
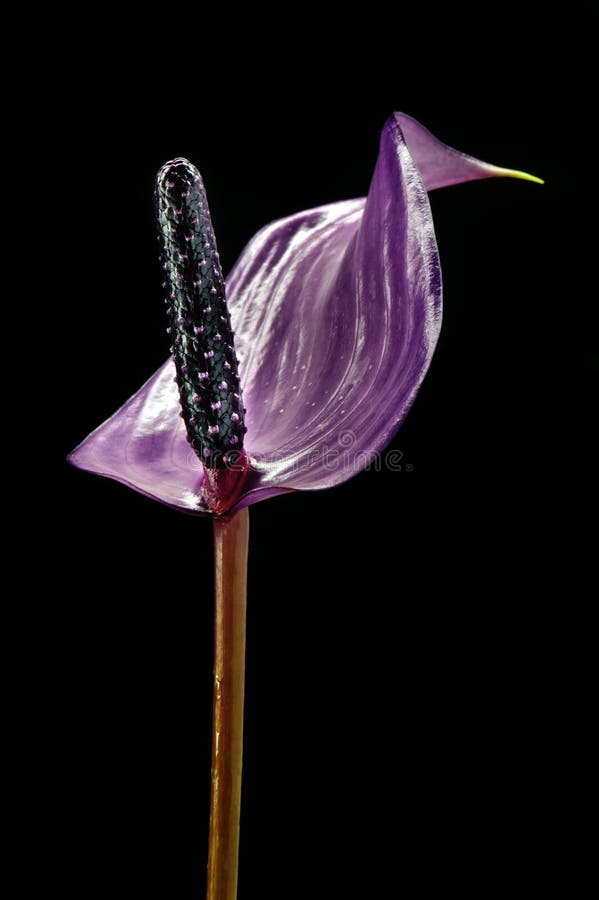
point(402, 664)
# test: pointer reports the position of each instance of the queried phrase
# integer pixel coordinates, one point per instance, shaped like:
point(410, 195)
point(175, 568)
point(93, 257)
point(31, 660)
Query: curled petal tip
point(515, 173)
point(440, 165)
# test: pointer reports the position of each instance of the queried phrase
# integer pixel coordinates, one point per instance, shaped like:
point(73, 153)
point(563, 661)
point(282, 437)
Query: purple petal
point(339, 311)
point(336, 311)
point(144, 445)
point(440, 165)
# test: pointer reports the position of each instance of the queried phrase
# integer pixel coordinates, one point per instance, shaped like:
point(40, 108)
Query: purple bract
point(336, 312)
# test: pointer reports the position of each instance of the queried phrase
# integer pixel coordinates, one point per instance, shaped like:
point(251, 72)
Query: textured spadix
point(199, 323)
point(336, 312)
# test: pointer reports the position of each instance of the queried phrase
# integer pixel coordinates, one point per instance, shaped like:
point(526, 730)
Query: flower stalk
point(230, 563)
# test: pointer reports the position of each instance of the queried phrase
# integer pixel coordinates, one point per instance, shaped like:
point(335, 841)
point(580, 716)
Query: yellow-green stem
point(230, 564)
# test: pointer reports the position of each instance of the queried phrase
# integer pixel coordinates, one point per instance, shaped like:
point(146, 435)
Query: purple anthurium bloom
point(336, 313)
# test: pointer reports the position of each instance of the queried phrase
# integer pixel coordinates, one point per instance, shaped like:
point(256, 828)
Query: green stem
point(230, 563)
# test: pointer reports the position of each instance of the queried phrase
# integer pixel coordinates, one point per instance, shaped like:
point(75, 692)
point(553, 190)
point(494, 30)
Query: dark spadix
point(199, 322)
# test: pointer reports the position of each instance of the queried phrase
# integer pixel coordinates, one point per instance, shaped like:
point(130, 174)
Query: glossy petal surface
point(144, 445)
point(338, 310)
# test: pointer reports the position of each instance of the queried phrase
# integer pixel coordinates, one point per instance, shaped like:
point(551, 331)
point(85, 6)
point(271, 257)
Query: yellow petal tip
point(514, 173)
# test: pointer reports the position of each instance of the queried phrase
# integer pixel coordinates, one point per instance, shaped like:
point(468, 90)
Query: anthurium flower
point(336, 312)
